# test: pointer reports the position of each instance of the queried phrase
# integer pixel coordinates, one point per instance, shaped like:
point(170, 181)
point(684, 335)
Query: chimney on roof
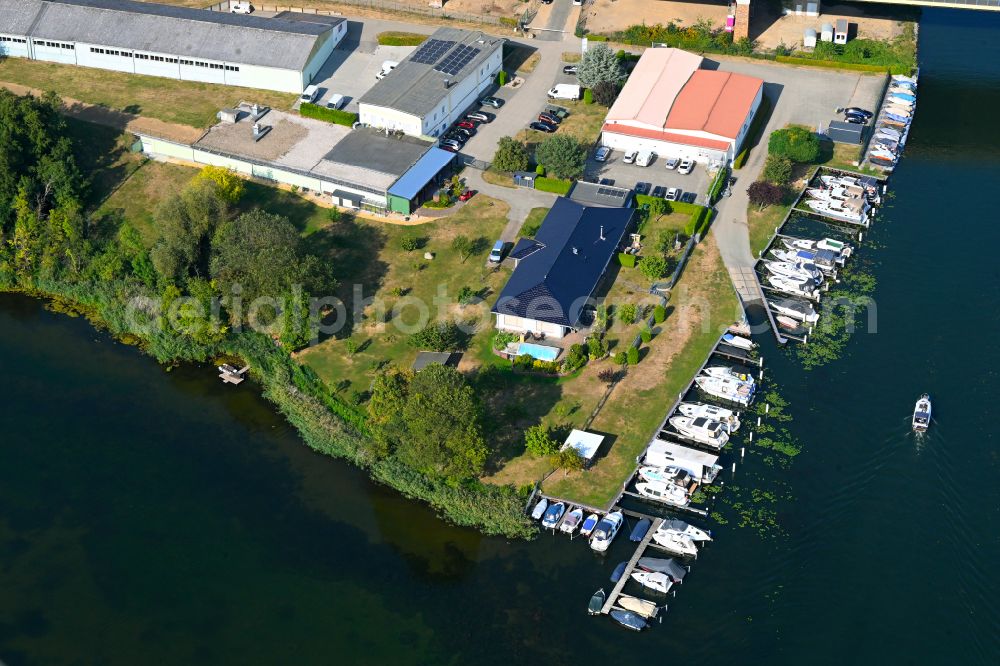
point(447, 83)
point(576, 251)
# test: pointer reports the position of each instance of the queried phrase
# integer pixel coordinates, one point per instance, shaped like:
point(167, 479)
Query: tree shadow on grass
point(99, 151)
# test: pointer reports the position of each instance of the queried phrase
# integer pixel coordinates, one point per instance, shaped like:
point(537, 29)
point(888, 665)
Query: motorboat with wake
point(653, 580)
point(922, 414)
point(726, 388)
point(797, 271)
point(701, 430)
point(589, 524)
point(806, 288)
point(738, 341)
point(726, 417)
point(798, 310)
point(660, 491)
point(674, 569)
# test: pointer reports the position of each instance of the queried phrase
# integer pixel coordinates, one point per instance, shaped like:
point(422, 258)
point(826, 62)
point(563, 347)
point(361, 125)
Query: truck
point(565, 91)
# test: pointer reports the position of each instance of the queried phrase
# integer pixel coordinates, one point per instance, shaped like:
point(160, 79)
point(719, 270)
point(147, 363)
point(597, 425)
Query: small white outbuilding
point(809, 38)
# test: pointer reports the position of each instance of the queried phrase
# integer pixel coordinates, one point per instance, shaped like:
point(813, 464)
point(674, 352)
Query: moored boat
point(726, 371)
point(738, 341)
point(726, 417)
point(619, 571)
point(646, 609)
point(675, 543)
point(726, 388)
point(589, 524)
point(639, 531)
point(668, 493)
point(669, 566)
point(553, 514)
point(701, 430)
point(539, 509)
point(628, 619)
point(796, 271)
point(654, 580)
point(678, 526)
point(596, 604)
point(922, 414)
point(572, 521)
point(606, 531)
point(799, 310)
point(792, 287)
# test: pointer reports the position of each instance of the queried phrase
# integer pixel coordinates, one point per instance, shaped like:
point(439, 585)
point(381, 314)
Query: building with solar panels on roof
point(169, 41)
point(435, 85)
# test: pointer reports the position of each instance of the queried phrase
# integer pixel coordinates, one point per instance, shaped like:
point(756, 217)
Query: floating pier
point(626, 576)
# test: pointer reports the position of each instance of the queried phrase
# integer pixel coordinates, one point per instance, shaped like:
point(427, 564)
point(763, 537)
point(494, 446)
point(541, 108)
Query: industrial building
point(435, 84)
point(360, 169)
point(674, 108)
point(168, 41)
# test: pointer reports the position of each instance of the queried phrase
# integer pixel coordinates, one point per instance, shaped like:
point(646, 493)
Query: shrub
point(597, 347)
point(502, 338)
point(562, 156)
point(440, 337)
point(466, 295)
point(627, 313)
point(763, 194)
point(778, 169)
point(659, 314)
point(529, 229)
point(606, 92)
point(510, 155)
point(653, 266)
point(568, 459)
point(715, 190)
point(608, 375)
point(575, 359)
point(798, 144)
point(538, 441)
point(336, 116)
point(351, 346)
point(539, 170)
point(626, 260)
point(646, 335)
point(409, 243)
point(633, 355)
point(588, 96)
point(554, 185)
point(621, 358)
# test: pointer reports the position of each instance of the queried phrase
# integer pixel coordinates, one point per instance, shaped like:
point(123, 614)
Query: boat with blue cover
point(640, 529)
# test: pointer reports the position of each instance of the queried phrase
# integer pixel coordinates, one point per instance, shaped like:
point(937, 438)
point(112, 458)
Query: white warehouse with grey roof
point(433, 86)
point(173, 42)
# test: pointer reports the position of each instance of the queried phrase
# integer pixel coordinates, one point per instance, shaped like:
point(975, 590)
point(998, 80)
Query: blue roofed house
point(556, 273)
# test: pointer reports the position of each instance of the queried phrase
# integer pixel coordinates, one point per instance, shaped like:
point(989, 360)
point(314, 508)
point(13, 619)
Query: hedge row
point(834, 64)
point(699, 222)
point(335, 116)
point(716, 188)
point(401, 39)
point(554, 185)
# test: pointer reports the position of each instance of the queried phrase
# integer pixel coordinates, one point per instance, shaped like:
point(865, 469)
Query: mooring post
point(742, 452)
point(758, 421)
point(751, 437)
point(767, 408)
point(734, 468)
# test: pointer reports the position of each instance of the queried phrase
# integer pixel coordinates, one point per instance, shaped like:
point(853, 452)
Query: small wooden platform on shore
point(231, 375)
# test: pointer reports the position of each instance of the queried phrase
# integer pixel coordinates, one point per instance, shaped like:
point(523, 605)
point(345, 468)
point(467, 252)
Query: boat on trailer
point(922, 414)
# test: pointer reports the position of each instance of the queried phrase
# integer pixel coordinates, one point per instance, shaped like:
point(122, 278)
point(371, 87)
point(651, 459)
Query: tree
point(798, 144)
point(763, 194)
point(627, 313)
point(658, 207)
point(228, 182)
point(600, 64)
point(538, 441)
point(606, 92)
point(568, 459)
point(778, 169)
point(187, 220)
point(262, 254)
point(562, 155)
point(385, 418)
point(653, 266)
point(510, 155)
point(632, 355)
point(464, 246)
point(442, 336)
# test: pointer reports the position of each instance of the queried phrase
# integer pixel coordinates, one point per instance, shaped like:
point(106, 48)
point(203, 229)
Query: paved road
point(521, 201)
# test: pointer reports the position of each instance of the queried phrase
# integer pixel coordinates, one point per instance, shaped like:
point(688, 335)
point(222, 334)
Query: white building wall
point(162, 148)
point(523, 325)
point(382, 117)
point(737, 145)
point(268, 78)
point(156, 64)
point(49, 51)
point(15, 46)
point(662, 149)
point(104, 57)
point(321, 54)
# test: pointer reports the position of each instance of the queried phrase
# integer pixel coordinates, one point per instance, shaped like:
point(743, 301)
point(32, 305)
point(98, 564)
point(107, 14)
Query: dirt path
point(118, 119)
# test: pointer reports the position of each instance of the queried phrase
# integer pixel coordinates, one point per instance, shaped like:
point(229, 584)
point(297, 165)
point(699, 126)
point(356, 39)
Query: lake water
point(159, 517)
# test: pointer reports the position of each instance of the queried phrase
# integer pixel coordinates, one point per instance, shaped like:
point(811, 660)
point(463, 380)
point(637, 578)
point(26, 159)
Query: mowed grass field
point(182, 102)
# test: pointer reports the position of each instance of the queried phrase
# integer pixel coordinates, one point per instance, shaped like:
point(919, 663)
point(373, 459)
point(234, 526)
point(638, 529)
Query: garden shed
point(809, 38)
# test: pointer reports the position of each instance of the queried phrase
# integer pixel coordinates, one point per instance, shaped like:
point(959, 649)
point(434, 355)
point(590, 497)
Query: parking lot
point(656, 174)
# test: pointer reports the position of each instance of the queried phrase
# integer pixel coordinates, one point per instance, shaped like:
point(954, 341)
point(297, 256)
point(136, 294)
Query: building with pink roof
point(672, 107)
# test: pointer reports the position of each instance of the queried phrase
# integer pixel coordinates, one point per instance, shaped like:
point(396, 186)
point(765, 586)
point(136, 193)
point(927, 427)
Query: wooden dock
point(231, 375)
point(620, 585)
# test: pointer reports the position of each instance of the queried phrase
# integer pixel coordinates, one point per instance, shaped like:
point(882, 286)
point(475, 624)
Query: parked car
point(544, 117)
point(449, 147)
point(336, 101)
point(644, 158)
point(686, 167)
point(309, 95)
point(496, 254)
point(671, 162)
point(689, 197)
point(642, 188)
point(629, 157)
point(673, 194)
point(558, 112)
point(479, 116)
point(570, 69)
point(659, 191)
point(543, 127)
point(466, 195)
point(602, 154)
point(495, 102)
point(466, 124)
point(456, 138)
point(450, 143)
point(857, 120)
point(465, 131)
point(606, 181)
point(855, 111)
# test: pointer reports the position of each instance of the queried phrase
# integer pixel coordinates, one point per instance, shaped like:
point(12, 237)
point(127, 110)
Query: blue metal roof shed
point(412, 183)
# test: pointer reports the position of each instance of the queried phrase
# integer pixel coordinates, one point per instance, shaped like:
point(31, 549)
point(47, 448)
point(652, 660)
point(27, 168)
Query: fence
point(383, 5)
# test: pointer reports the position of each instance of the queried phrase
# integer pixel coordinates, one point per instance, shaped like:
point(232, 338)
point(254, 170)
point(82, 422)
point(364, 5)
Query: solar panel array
point(431, 50)
point(457, 59)
point(611, 192)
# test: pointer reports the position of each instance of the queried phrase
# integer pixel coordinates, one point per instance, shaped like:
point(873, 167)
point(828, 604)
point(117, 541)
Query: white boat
point(589, 524)
point(727, 388)
point(678, 526)
point(553, 514)
point(726, 417)
point(857, 215)
point(646, 609)
point(654, 580)
point(922, 414)
point(669, 474)
point(797, 271)
point(701, 430)
point(889, 132)
point(787, 323)
point(723, 371)
point(899, 110)
point(668, 493)
point(798, 310)
point(539, 509)
point(675, 543)
point(571, 521)
point(738, 341)
point(843, 249)
point(825, 260)
point(906, 79)
point(606, 531)
point(794, 287)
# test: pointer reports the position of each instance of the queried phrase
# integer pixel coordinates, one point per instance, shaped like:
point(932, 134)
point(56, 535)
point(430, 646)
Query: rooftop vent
point(576, 251)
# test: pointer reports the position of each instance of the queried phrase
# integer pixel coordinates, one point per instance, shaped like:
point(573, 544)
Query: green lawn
point(182, 102)
point(369, 257)
point(701, 306)
point(761, 224)
point(584, 122)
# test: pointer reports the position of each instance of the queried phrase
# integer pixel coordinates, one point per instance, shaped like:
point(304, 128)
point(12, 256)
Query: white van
point(644, 158)
point(565, 91)
point(336, 101)
point(309, 95)
point(241, 8)
point(387, 67)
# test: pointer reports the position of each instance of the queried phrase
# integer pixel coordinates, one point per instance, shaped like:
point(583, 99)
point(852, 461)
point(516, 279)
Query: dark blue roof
point(524, 248)
point(553, 283)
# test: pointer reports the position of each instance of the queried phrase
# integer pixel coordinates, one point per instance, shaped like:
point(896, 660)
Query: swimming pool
point(541, 352)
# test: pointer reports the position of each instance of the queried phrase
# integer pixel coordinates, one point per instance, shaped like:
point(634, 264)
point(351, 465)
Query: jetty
point(230, 374)
point(626, 575)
